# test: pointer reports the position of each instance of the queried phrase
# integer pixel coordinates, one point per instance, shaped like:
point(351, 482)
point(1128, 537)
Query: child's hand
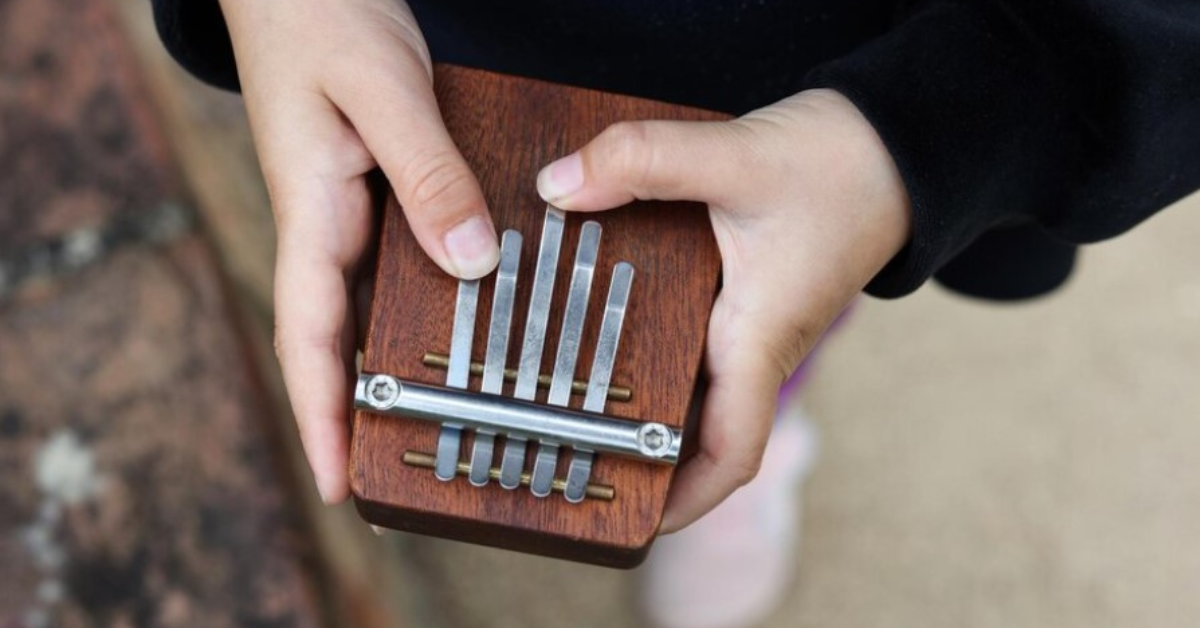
point(807, 207)
point(334, 89)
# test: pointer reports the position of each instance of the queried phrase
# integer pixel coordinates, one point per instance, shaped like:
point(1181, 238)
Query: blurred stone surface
point(362, 576)
point(142, 481)
point(139, 485)
point(78, 142)
point(208, 130)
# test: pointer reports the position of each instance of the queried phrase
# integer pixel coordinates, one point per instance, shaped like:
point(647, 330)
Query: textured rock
point(77, 140)
point(139, 483)
point(211, 137)
point(140, 480)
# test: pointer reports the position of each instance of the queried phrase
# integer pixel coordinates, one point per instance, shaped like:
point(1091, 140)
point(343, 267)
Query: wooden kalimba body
point(541, 408)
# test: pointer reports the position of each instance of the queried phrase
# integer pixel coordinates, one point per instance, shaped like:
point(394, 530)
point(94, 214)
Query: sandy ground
point(1022, 465)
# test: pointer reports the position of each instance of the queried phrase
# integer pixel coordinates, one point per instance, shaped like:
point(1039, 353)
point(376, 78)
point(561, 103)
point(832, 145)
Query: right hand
point(334, 89)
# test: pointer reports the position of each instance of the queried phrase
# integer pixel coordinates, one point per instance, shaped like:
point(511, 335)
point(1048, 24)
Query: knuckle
point(744, 469)
point(280, 345)
point(739, 465)
point(439, 183)
point(627, 148)
point(283, 199)
point(786, 353)
point(785, 344)
point(741, 469)
point(295, 345)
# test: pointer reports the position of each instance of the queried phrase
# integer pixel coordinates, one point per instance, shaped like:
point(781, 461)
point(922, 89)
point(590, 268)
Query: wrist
point(885, 196)
point(876, 199)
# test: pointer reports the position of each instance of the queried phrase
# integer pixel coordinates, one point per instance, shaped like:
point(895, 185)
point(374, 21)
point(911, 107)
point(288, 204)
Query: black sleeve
point(1075, 118)
point(1020, 127)
point(195, 34)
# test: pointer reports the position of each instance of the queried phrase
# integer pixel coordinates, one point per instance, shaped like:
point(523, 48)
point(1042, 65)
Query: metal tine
point(568, 350)
point(497, 349)
point(457, 375)
point(529, 367)
point(580, 470)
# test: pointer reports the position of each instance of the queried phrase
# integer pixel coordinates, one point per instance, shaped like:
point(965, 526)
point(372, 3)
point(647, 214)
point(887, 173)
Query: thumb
point(648, 160)
point(402, 128)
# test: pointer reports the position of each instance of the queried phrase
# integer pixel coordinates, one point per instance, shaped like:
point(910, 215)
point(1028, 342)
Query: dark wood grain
point(508, 128)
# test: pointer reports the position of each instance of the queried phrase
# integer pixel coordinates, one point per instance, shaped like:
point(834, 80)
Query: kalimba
point(543, 407)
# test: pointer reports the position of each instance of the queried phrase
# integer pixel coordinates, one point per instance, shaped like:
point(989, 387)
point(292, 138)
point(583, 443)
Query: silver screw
point(382, 391)
point(654, 439)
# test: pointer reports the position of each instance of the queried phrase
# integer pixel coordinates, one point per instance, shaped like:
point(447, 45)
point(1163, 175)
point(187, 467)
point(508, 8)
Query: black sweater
point(1021, 127)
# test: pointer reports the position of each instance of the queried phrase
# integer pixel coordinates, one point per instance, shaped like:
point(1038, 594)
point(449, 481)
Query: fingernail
point(377, 530)
point(561, 178)
point(472, 248)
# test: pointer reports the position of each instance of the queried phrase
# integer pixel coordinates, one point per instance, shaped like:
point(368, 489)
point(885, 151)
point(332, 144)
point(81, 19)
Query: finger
point(739, 407)
point(400, 124)
point(313, 163)
point(311, 315)
point(658, 160)
point(315, 326)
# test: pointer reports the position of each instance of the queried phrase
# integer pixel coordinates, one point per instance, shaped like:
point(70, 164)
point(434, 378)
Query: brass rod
point(578, 387)
point(426, 461)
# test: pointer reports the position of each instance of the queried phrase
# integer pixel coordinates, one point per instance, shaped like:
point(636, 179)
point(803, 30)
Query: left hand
point(807, 206)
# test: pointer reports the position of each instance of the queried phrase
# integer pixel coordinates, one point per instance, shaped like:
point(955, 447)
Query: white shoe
point(733, 567)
